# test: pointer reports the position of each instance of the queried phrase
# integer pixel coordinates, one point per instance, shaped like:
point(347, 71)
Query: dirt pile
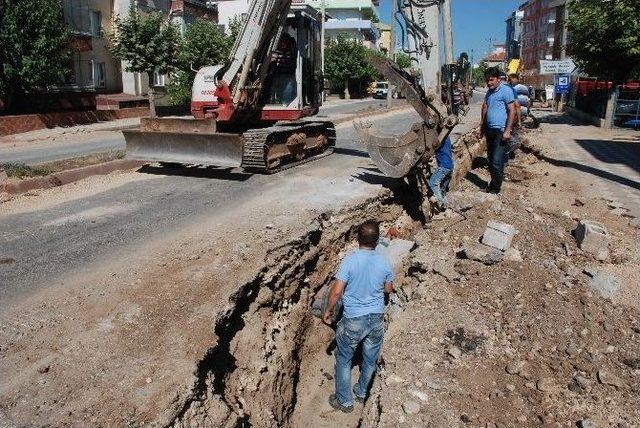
point(526, 340)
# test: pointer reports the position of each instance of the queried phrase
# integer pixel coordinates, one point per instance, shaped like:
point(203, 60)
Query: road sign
point(563, 82)
point(565, 66)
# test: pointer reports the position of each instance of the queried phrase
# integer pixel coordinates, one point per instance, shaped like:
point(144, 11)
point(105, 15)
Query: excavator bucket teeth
point(184, 141)
point(395, 156)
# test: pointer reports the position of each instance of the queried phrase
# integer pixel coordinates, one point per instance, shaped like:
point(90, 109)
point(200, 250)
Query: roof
point(495, 56)
point(382, 27)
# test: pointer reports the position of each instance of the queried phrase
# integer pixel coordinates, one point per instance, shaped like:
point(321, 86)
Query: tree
point(346, 60)
point(203, 44)
point(148, 44)
point(604, 38)
point(403, 60)
point(33, 47)
point(477, 75)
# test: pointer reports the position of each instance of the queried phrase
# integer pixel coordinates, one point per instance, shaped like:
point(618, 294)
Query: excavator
point(256, 111)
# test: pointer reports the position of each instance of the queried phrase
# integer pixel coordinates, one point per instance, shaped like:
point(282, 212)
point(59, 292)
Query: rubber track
point(257, 143)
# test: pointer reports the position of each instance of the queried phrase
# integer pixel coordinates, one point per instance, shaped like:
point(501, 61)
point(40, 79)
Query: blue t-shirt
point(498, 100)
point(443, 154)
point(365, 272)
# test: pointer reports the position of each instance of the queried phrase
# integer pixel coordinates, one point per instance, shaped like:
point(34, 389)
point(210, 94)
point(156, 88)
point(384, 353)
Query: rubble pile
point(510, 316)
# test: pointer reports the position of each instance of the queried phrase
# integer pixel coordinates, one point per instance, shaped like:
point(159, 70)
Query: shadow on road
point(196, 172)
point(560, 119)
point(587, 169)
point(351, 152)
point(610, 151)
point(404, 192)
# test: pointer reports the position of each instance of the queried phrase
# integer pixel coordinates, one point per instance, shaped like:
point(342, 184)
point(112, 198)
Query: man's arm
point(506, 136)
point(518, 115)
point(483, 117)
point(334, 295)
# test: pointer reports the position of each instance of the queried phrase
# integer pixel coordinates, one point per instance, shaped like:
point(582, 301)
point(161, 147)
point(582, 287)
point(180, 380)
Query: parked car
point(382, 89)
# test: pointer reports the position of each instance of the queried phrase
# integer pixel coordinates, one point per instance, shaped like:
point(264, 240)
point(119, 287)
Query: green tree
point(604, 38)
point(203, 45)
point(147, 43)
point(34, 49)
point(346, 60)
point(403, 60)
point(477, 74)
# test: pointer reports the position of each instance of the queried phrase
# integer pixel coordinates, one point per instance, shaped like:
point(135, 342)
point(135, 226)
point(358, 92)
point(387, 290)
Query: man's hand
point(506, 135)
point(327, 318)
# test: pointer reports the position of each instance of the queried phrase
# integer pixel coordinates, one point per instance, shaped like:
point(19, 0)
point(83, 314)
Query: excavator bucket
point(185, 141)
point(396, 156)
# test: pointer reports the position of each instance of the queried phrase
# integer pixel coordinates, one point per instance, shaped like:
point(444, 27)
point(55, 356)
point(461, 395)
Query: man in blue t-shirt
point(363, 278)
point(440, 178)
point(497, 119)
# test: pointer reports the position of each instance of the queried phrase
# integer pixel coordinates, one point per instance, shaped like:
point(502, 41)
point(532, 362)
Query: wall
point(229, 9)
point(30, 122)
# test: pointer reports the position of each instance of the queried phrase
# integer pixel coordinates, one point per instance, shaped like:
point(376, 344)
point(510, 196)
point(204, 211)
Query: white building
point(356, 18)
point(93, 68)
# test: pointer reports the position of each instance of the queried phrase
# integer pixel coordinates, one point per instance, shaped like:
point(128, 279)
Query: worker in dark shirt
point(440, 178)
point(282, 79)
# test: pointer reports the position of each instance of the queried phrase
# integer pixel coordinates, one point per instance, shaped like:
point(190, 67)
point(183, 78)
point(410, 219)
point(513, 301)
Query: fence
point(626, 111)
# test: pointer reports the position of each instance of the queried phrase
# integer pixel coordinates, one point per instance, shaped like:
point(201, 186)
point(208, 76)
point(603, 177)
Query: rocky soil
point(547, 336)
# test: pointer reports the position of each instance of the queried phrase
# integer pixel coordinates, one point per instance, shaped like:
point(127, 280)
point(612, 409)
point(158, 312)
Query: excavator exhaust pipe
point(185, 141)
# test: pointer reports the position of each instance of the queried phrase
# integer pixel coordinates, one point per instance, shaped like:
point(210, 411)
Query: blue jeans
point(368, 329)
point(497, 151)
point(438, 182)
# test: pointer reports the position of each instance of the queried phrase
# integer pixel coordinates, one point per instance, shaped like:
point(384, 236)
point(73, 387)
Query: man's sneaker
point(356, 396)
point(333, 401)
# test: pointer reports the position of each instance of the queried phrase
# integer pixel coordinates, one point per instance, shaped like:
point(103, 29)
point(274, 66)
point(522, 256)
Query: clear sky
point(477, 24)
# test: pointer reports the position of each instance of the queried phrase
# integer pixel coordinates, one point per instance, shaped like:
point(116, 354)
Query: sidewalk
point(607, 161)
point(49, 145)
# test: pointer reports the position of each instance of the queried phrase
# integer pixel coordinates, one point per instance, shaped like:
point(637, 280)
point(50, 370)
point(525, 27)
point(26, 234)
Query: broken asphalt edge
point(15, 187)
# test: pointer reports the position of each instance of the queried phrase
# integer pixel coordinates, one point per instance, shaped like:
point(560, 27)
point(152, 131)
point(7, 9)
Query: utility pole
point(392, 46)
point(448, 33)
point(323, 13)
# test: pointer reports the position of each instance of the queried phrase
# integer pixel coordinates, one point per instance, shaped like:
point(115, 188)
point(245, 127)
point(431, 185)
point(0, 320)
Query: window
point(100, 75)
point(90, 73)
point(158, 79)
point(96, 23)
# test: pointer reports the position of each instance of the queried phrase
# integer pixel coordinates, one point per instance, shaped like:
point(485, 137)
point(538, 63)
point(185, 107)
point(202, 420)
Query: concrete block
point(498, 235)
point(592, 237)
point(482, 253)
point(396, 250)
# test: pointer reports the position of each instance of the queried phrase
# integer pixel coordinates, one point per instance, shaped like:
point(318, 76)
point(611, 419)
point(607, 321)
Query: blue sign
point(563, 83)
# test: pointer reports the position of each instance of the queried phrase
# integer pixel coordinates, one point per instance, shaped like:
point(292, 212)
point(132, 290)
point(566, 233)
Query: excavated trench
point(251, 377)
point(268, 339)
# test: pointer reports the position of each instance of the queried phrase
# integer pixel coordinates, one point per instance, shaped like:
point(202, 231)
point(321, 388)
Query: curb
point(65, 177)
point(14, 187)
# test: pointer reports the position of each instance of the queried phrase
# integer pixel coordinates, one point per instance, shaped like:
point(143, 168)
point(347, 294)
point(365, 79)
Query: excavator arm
point(397, 156)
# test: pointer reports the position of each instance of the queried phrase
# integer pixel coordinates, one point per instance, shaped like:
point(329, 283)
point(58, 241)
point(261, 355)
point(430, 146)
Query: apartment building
point(356, 18)
point(543, 37)
point(93, 69)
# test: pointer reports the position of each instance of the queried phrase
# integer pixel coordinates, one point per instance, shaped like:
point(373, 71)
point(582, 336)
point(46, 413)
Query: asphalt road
point(46, 244)
point(40, 246)
point(66, 147)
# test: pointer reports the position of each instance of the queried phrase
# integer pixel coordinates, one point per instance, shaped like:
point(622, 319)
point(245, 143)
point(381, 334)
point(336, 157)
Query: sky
point(477, 24)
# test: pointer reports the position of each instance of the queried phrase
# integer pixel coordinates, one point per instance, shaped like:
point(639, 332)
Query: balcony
point(366, 26)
